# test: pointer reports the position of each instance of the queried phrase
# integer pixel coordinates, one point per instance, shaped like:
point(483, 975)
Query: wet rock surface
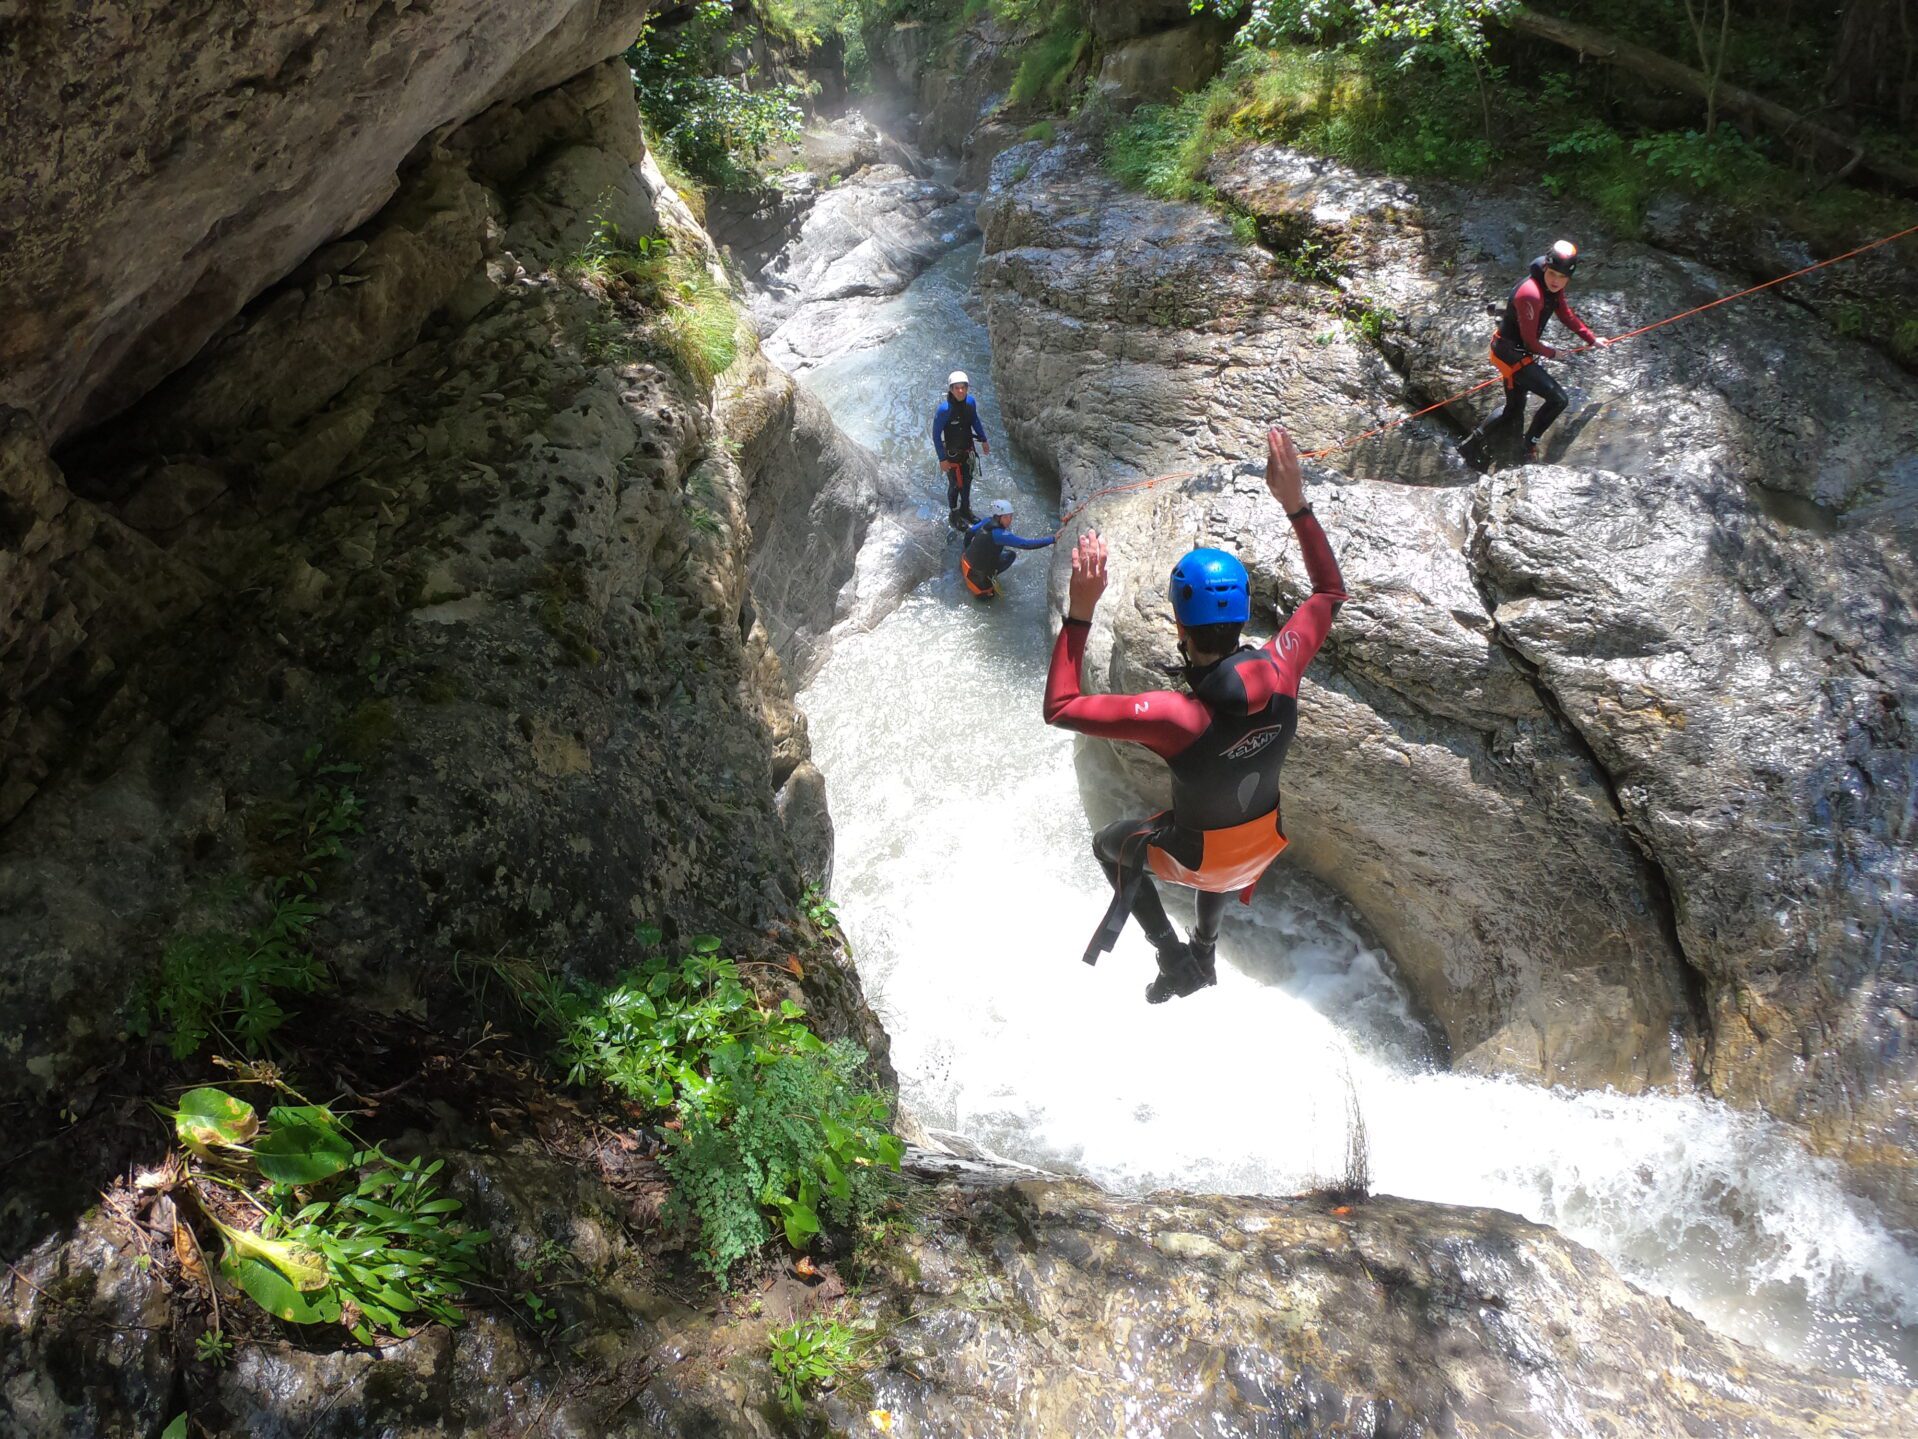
point(1661, 685)
point(443, 508)
point(1012, 1306)
point(162, 166)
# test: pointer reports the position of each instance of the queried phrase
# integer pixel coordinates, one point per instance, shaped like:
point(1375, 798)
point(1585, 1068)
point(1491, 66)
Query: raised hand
point(1283, 475)
point(1088, 576)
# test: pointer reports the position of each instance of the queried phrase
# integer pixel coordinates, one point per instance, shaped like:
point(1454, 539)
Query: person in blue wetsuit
point(991, 547)
point(955, 425)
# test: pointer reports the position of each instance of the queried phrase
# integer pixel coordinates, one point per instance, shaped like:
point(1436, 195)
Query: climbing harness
point(1230, 859)
point(1504, 377)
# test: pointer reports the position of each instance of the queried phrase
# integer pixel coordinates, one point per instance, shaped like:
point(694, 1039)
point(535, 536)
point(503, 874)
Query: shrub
point(773, 1122)
point(779, 1133)
point(228, 981)
point(813, 1354)
point(345, 1234)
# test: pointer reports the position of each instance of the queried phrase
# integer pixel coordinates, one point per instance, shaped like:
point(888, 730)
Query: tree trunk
point(1874, 62)
point(1666, 71)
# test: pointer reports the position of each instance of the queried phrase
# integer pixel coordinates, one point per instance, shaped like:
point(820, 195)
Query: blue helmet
point(1209, 587)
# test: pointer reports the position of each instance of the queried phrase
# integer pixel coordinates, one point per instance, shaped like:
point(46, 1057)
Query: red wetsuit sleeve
point(1294, 646)
point(1164, 722)
point(1529, 303)
point(1566, 313)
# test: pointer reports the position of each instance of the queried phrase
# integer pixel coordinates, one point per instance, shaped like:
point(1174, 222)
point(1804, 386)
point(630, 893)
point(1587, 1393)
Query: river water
point(965, 882)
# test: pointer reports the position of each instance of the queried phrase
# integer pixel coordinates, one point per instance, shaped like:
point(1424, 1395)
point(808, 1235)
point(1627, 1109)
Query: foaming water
point(965, 880)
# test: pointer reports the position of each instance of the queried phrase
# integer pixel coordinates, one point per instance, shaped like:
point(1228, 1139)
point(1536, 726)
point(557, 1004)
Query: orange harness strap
point(1507, 373)
point(1230, 859)
point(965, 570)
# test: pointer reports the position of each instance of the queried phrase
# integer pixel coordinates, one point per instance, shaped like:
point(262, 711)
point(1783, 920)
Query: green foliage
point(789, 1133)
point(1048, 63)
point(1411, 25)
point(648, 1037)
point(177, 1429)
point(214, 1348)
point(226, 980)
point(1700, 163)
point(814, 1354)
point(1162, 149)
point(695, 320)
point(774, 1123)
point(820, 908)
point(346, 1234)
point(226, 983)
point(717, 130)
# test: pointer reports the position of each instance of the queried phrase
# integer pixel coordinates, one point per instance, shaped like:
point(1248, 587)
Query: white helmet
point(957, 377)
point(1002, 507)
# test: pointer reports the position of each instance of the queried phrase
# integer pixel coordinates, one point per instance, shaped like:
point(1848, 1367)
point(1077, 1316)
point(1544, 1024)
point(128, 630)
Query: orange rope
point(1334, 448)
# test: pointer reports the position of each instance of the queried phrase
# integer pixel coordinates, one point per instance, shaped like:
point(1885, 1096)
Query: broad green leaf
point(789, 1010)
point(891, 1151)
point(837, 1184)
point(207, 1117)
point(302, 1153)
point(177, 1429)
point(297, 1263)
point(706, 944)
point(269, 1289)
point(801, 1224)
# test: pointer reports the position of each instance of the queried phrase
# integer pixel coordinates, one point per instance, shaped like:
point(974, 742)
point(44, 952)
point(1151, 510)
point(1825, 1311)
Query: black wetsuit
point(991, 549)
point(954, 427)
point(1531, 304)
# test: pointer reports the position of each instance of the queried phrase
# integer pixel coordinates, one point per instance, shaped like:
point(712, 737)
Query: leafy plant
point(815, 1353)
point(791, 1134)
point(225, 983)
point(346, 1234)
point(214, 1348)
point(820, 908)
point(773, 1122)
point(716, 130)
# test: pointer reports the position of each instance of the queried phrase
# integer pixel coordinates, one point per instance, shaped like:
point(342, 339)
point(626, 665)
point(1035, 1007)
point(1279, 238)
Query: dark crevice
point(1658, 886)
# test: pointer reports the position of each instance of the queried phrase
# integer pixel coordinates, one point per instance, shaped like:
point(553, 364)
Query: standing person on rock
point(955, 425)
point(1225, 740)
point(1517, 350)
point(991, 547)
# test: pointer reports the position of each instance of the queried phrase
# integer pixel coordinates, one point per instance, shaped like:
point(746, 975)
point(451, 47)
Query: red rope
point(1333, 449)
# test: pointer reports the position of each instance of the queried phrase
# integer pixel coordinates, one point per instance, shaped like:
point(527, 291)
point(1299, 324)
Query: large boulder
point(161, 165)
point(1116, 20)
point(1162, 66)
point(1627, 737)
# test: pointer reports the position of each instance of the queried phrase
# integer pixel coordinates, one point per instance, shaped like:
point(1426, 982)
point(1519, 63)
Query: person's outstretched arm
point(1295, 645)
point(1020, 542)
point(1164, 722)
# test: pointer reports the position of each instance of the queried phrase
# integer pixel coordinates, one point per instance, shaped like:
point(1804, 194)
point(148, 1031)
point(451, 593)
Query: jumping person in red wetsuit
point(1224, 741)
point(1517, 350)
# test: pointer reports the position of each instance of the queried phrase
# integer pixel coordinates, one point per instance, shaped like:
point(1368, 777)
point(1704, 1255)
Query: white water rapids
point(966, 884)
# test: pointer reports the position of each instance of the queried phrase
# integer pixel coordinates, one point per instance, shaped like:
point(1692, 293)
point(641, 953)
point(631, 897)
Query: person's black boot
point(1204, 959)
point(1179, 974)
point(1472, 450)
point(1531, 449)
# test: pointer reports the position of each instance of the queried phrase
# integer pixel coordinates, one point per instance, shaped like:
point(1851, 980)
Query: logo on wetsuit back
point(1253, 743)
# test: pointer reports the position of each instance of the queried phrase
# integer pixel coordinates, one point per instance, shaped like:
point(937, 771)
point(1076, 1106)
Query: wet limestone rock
point(476, 533)
point(161, 165)
point(1031, 1308)
point(1162, 66)
point(1430, 782)
point(1690, 772)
